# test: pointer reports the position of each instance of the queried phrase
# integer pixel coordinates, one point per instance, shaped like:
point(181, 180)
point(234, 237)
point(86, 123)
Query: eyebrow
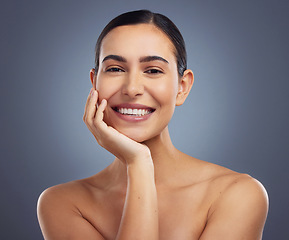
point(142, 59)
point(115, 57)
point(152, 58)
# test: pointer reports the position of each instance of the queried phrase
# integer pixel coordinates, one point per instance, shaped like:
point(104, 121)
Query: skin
point(151, 190)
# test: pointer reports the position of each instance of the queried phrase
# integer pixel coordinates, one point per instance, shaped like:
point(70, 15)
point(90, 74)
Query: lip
point(132, 105)
point(131, 118)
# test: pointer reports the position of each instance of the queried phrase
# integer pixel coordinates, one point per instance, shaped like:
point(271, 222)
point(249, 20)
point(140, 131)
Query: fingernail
point(91, 92)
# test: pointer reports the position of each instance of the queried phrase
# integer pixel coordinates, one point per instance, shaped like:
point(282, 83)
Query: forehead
point(137, 40)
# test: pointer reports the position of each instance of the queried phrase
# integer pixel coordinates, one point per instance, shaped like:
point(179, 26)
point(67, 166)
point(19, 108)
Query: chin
point(136, 137)
point(135, 134)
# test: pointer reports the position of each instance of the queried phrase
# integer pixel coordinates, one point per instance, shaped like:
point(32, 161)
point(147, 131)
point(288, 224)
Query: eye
point(114, 69)
point(153, 71)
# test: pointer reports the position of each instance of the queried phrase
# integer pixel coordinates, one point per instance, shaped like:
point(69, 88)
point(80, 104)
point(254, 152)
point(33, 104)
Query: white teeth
point(134, 111)
point(130, 111)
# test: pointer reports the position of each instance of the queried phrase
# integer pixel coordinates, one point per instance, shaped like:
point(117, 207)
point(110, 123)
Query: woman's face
point(138, 77)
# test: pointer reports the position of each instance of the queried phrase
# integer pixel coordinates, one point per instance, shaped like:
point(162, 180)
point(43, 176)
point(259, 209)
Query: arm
point(140, 214)
point(59, 220)
point(239, 213)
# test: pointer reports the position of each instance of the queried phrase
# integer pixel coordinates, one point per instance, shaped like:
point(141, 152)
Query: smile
point(133, 111)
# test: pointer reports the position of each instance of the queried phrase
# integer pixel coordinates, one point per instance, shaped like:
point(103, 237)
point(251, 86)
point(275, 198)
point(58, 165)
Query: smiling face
point(138, 77)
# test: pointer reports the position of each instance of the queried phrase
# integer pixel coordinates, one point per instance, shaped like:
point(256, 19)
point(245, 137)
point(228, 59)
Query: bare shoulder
point(70, 193)
point(237, 185)
point(241, 189)
point(239, 207)
point(230, 185)
point(61, 192)
point(59, 211)
point(222, 184)
point(58, 199)
point(228, 181)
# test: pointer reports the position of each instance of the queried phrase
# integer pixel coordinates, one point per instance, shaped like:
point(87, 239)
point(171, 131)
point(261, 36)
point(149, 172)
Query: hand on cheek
point(124, 148)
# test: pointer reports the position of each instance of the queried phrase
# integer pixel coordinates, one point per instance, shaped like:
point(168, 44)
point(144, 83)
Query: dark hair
point(160, 21)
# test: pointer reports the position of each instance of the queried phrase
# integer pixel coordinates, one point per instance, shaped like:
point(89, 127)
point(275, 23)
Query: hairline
point(151, 22)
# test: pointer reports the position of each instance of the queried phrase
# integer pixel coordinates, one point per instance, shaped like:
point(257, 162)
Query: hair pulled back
point(160, 21)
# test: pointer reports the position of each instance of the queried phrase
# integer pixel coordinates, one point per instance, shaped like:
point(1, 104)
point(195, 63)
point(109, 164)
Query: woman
point(151, 190)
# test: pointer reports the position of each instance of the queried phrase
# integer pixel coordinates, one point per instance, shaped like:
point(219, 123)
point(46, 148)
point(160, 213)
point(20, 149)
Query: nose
point(133, 86)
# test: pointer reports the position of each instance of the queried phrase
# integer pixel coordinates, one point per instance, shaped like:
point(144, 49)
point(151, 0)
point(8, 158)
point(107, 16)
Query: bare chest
point(182, 214)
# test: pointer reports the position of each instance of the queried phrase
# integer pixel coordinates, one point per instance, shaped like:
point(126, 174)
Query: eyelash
point(114, 69)
point(153, 71)
point(149, 71)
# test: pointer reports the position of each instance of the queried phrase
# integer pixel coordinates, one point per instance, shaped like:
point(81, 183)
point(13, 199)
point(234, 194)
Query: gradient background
point(236, 115)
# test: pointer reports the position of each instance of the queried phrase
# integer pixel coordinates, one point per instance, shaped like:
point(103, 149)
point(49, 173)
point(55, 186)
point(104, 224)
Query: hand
point(124, 148)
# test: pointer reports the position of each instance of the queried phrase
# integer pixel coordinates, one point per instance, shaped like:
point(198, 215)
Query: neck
point(165, 156)
point(162, 150)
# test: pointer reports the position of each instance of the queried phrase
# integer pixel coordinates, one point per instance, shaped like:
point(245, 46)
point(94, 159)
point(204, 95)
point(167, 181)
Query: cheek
point(166, 92)
point(105, 88)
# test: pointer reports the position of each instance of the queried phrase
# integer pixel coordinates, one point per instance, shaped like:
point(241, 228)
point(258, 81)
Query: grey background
point(236, 115)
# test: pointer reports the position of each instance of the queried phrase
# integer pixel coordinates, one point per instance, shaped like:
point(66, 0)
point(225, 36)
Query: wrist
point(141, 166)
point(143, 156)
point(144, 160)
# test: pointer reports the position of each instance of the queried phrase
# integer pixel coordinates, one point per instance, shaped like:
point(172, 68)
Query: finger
point(100, 111)
point(100, 127)
point(91, 106)
point(86, 104)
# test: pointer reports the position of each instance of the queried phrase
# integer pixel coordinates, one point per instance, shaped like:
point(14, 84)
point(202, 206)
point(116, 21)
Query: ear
point(92, 76)
point(185, 86)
